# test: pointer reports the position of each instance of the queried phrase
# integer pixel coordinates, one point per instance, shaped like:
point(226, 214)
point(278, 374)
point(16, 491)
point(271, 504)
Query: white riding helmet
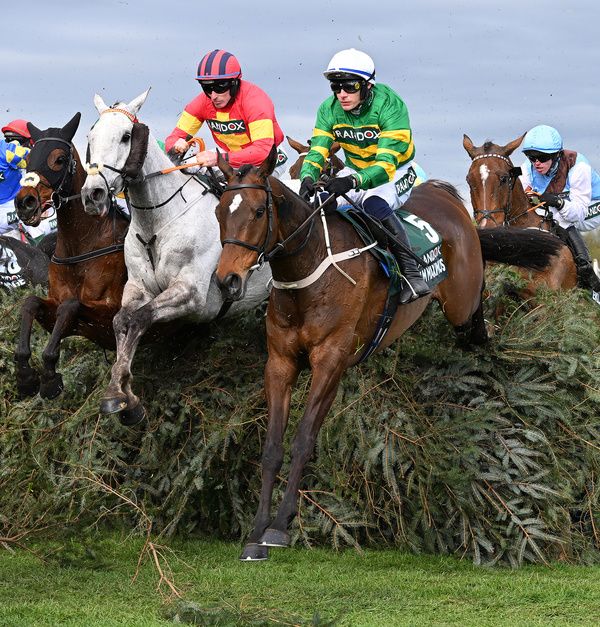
point(543, 138)
point(351, 62)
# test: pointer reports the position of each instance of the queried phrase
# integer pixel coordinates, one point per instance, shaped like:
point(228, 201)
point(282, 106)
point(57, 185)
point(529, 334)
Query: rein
point(331, 259)
point(92, 254)
point(263, 255)
point(57, 200)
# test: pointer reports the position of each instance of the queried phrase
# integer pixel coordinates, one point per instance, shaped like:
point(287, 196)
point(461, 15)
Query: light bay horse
point(172, 247)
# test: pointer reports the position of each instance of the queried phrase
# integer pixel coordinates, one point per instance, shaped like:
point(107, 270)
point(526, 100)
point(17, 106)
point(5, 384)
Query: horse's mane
point(244, 169)
point(448, 187)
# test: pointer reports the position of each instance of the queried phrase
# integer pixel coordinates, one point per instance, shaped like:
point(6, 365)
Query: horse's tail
point(527, 248)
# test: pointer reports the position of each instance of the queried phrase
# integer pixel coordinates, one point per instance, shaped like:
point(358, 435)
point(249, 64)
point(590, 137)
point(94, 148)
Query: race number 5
point(430, 234)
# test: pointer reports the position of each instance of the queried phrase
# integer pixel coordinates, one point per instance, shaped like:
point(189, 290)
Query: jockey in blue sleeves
point(566, 182)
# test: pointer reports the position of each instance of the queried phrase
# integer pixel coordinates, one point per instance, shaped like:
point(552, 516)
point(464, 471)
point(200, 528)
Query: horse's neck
point(74, 225)
point(77, 231)
point(299, 253)
point(157, 189)
point(520, 208)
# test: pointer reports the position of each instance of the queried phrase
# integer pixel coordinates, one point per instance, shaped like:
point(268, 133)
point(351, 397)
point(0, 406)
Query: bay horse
point(499, 200)
point(87, 271)
point(172, 247)
point(330, 321)
point(334, 164)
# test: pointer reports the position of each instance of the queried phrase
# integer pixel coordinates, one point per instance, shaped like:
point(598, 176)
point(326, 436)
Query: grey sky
point(462, 67)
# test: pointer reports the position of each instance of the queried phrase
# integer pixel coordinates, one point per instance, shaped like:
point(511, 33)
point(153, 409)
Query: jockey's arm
point(580, 193)
point(320, 143)
point(395, 147)
point(187, 126)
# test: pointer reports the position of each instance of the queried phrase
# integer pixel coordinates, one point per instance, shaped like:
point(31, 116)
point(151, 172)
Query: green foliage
point(492, 453)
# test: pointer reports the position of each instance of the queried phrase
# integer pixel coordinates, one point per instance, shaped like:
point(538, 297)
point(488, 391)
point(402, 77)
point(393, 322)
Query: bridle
point(57, 199)
point(265, 256)
point(127, 178)
point(509, 179)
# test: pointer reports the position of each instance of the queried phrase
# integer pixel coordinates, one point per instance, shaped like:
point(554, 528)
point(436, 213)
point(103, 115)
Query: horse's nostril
point(98, 194)
point(232, 286)
point(29, 203)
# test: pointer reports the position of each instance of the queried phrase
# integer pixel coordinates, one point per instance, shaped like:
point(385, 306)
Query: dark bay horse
point(330, 321)
point(498, 200)
point(87, 271)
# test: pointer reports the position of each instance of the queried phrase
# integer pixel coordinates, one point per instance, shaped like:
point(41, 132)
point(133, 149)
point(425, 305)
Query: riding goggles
point(542, 157)
point(350, 87)
point(219, 87)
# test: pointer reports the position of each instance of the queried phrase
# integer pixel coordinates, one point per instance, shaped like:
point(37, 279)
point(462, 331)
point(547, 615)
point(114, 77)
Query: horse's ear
point(297, 146)
point(268, 165)
point(334, 148)
point(101, 107)
point(136, 104)
point(224, 166)
point(513, 145)
point(468, 146)
point(34, 131)
point(70, 128)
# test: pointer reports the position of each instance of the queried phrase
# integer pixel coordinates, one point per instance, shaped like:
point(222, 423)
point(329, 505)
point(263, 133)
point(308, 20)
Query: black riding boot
point(413, 286)
point(585, 269)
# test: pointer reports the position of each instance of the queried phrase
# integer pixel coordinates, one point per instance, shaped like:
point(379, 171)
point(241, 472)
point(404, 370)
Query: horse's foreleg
point(28, 380)
point(118, 395)
point(66, 314)
point(326, 375)
point(130, 325)
point(280, 375)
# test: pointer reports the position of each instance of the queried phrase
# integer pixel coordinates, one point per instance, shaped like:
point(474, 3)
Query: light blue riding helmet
point(542, 138)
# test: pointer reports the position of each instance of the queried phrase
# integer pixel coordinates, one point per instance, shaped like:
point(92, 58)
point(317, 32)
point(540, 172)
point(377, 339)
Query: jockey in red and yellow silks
point(240, 115)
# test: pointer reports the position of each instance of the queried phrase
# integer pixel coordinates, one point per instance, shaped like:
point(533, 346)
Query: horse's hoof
point(274, 537)
point(131, 417)
point(113, 405)
point(52, 388)
point(254, 553)
point(28, 386)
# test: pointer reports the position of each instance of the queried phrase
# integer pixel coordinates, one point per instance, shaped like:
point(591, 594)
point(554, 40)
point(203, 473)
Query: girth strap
point(384, 323)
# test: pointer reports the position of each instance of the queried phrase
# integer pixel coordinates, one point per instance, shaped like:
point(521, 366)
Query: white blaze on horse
point(172, 247)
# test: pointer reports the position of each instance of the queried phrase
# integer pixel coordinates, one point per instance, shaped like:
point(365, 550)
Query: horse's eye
point(126, 137)
point(61, 160)
point(504, 178)
point(260, 212)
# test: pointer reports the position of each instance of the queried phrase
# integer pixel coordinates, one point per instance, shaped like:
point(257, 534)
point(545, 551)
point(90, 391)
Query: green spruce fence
point(492, 454)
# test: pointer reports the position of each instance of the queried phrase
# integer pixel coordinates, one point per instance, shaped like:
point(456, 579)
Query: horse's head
point(117, 147)
point(491, 180)
point(247, 221)
point(51, 167)
point(332, 166)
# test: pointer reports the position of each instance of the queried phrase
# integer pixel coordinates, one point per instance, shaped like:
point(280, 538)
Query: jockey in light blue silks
point(566, 182)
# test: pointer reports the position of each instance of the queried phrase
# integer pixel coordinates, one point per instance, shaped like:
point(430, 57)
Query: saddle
point(425, 242)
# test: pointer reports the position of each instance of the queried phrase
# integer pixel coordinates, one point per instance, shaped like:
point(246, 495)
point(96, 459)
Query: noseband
point(506, 179)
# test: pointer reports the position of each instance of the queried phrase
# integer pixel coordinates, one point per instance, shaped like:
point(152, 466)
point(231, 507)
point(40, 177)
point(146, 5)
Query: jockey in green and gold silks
point(376, 141)
point(370, 122)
